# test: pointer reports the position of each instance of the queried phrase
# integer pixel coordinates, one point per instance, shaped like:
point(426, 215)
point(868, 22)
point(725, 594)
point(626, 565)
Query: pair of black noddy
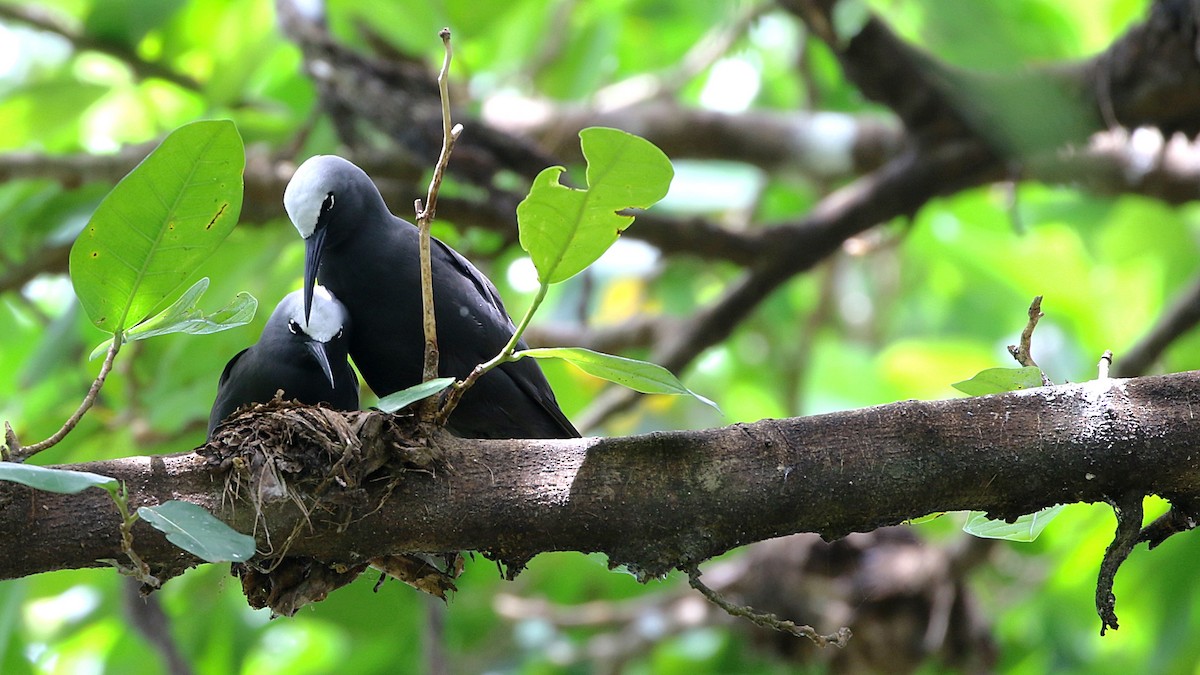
point(368, 306)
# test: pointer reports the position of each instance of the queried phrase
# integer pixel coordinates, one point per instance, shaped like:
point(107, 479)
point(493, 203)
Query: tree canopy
point(867, 195)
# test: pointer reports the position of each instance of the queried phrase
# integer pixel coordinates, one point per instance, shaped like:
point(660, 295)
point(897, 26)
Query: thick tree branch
point(663, 500)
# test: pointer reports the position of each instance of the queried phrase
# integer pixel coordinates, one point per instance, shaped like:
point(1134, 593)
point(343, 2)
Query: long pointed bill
point(312, 261)
point(317, 349)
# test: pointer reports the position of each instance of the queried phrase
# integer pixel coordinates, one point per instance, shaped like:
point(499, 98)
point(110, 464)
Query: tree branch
point(655, 502)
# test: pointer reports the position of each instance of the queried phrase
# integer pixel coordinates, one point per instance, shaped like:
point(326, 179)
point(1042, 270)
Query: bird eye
point(339, 334)
point(294, 327)
point(327, 205)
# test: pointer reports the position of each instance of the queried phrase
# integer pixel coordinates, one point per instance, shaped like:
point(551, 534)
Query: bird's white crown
point(327, 318)
point(305, 193)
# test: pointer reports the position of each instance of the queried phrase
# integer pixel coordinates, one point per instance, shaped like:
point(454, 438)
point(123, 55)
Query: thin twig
point(425, 214)
point(1022, 352)
point(1104, 365)
point(766, 620)
point(14, 452)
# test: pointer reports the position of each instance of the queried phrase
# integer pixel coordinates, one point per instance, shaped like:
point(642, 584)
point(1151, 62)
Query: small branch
point(1128, 509)
point(1105, 365)
point(766, 620)
point(1022, 353)
point(14, 452)
point(39, 18)
point(425, 215)
point(1180, 518)
point(140, 570)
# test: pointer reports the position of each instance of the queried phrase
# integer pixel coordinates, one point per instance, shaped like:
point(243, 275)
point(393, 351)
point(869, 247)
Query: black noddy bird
point(306, 358)
point(369, 258)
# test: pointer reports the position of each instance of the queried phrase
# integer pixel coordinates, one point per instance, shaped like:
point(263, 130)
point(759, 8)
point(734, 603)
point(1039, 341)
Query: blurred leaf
point(183, 317)
point(565, 229)
point(61, 481)
point(125, 22)
point(406, 397)
point(160, 222)
point(1024, 529)
point(998, 380)
point(647, 378)
point(198, 532)
point(849, 17)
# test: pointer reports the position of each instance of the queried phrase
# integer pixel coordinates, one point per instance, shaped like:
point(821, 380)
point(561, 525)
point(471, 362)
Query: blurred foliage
point(911, 308)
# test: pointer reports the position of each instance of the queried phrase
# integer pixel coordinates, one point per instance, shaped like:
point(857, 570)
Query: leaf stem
point(425, 215)
point(459, 388)
point(14, 452)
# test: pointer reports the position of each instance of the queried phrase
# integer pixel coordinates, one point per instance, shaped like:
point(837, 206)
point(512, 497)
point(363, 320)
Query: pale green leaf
point(184, 317)
point(198, 532)
point(1024, 529)
point(647, 378)
point(406, 397)
point(54, 480)
point(999, 380)
point(564, 229)
point(158, 224)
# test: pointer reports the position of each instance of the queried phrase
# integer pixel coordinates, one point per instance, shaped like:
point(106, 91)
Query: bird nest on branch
point(341, 464)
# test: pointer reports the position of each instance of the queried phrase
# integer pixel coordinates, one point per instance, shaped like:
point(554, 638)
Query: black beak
point(317, 349)
point(312, 262)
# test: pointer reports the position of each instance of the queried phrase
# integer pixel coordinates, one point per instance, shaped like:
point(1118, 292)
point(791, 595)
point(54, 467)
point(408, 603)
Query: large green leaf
point(198, 532)
point(183, 317)
point(565, 229)
point(406, 397)
point(160, 222)
point(54, 480)
point(647, 378)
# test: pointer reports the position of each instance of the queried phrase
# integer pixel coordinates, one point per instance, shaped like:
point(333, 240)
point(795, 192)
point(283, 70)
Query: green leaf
point(198, 532)
point(647, 378)
point(998, 380)
point(158, 224)
point(406, 397)
point(564, 229)
point(1025, 529)
point(183, 317)
point(61, 481)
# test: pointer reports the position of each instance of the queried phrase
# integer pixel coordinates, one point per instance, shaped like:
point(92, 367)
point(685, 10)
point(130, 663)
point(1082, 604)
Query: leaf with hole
point(158, 224)
point(647, 378)
point(61, 481)
point(198, 532)
point(184, 317)
point(565, 229)
point(406, 397)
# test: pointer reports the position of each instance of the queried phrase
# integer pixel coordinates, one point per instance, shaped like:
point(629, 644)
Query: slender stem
point(14, 452)
point(505, 354)
point(425, 215)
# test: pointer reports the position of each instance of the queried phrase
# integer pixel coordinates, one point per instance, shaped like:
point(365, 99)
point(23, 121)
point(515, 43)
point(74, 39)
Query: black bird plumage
point(369, 258)
point(306, 359)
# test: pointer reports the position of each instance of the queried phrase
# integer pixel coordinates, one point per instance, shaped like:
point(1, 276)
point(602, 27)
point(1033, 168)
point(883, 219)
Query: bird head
point(323, 199)
point(326, 323)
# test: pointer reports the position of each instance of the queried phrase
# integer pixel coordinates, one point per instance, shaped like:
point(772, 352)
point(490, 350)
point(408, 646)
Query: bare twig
point(14, 452)
point(1128, 509)
point(1022, 352)
point(1105, 364)
point(425, 214)
point(838, 639)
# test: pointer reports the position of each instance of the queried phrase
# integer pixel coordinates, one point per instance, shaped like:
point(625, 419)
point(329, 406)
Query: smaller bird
point(306, 358)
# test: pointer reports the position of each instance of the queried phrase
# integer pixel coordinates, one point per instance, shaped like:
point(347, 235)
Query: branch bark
point(664, 500)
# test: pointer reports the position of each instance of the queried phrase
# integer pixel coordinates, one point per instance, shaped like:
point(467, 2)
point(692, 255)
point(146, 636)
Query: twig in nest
point(1022, 352)
point(767, 620)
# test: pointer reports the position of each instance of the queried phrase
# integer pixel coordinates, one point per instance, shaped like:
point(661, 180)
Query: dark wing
point(482, 284)
point(221, 409)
